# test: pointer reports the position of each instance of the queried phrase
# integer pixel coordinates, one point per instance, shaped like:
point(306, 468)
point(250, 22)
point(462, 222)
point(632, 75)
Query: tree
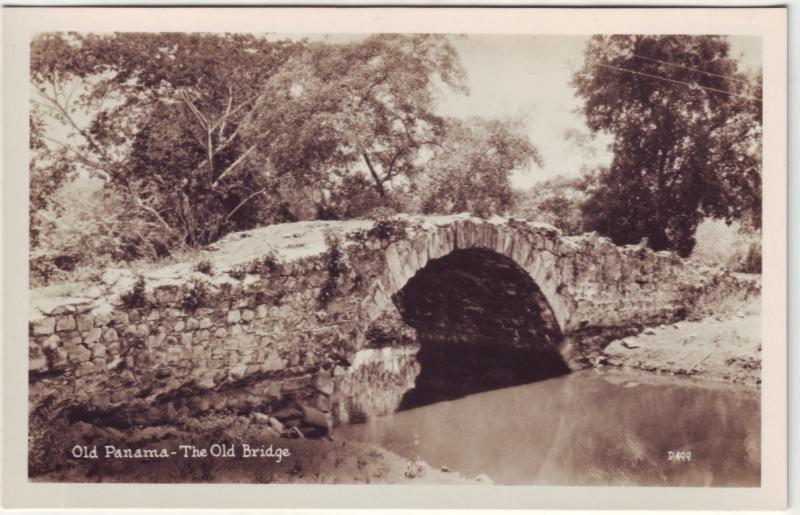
point(471, 169)
point(157, 116)
point(204, 134)
point(86, 225)
point(557, 201)
point(357, 115)
point(686, 128)
point(208, 133)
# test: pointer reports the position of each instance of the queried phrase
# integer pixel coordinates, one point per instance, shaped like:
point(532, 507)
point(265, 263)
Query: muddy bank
point(717, 348)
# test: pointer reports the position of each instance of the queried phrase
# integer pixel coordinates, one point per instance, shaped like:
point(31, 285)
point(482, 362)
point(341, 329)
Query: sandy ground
point(724, 348)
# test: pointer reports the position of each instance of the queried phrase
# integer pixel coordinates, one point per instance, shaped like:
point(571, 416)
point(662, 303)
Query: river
point(584, 428)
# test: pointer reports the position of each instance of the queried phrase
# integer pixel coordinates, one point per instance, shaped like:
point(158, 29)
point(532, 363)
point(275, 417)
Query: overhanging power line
point(698, 70)
point(689, 84)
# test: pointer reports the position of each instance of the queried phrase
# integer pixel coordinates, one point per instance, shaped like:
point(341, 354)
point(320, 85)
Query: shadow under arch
point(482, 323)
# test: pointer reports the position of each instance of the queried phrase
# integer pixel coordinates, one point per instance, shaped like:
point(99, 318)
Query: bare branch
point(233, 165)
point(210, 154)
point(188, 101)
point(259, 192)
point(238, 108)
point(229, 215)
point(224, 118)
point(82, 158)
point(372, 85)
point(223, 145)
point(64, 112)
point(390, 168)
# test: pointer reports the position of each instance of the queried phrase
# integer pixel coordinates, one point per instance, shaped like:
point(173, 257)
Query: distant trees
point(470, 169)
point(558, 201)
point(687, 137)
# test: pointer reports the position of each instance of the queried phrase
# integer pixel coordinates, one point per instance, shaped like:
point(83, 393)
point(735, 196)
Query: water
point(585, 428)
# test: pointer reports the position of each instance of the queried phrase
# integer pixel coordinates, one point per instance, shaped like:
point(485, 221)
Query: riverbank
point(723, 348)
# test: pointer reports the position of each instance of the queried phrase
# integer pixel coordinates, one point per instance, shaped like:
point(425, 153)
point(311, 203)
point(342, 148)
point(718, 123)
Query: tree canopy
point(686, 127)
point(198, 135)
point(471, 169)
point(155, 115)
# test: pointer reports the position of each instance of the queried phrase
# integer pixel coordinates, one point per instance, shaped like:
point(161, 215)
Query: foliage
point(338, 268)
point(49, 437)
point(557, 201)
point(751, 263)
point(361, 114)
point(734, 246)
point(204, 267)
point(683, 150)
point(269, 263)
point(164, 112)
point(471, 168)
point(135, 298)
point(43, 271)
point(196, 295)
point(387, 229)
point(191, 136)
point(238, 272)
point(86, 224)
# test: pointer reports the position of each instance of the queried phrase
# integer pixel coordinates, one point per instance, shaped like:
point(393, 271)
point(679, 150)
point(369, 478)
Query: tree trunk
point(378, 183)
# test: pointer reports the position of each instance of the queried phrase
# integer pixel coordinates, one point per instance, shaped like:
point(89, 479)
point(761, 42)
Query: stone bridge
point(266, 320)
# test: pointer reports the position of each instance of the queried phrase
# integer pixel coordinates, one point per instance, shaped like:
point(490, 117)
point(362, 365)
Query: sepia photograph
point(427, 258)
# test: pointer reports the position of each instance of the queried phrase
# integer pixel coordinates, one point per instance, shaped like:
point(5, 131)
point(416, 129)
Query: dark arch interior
point(482, 323)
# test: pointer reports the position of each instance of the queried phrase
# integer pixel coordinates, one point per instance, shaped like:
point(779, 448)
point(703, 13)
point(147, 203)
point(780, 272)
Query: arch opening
point(482, 323)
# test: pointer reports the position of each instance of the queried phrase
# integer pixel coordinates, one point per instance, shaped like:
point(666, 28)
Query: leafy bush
point(204, 267)
point(338, 268)
point(135, 298)
point(238, 272)
point(86, 226)
point(388, 229)
point(557, 201)
point(43, 271)
point(268, 263)
point(196, 295)
point(751, 263)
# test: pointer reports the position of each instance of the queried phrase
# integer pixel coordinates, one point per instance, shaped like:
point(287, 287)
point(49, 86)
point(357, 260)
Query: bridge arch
point(523, 260)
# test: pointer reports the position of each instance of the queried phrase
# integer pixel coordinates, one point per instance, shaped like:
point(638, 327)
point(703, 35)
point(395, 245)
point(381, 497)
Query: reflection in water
point(582, 429)
point(450, 371)
point(375, 383)
point(385, 380)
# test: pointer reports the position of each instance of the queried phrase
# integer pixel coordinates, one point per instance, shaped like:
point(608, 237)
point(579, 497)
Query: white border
point(19, 24)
